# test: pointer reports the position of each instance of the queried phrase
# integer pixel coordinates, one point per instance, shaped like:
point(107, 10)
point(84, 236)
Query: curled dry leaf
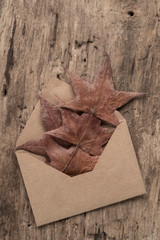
point(84, 131)
point(99, 97)
point(60, 157)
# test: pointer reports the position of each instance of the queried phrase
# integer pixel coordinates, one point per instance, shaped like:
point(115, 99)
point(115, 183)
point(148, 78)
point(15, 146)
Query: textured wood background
point(36, 37)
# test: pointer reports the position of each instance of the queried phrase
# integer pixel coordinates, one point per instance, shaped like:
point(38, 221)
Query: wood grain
point(36, 38)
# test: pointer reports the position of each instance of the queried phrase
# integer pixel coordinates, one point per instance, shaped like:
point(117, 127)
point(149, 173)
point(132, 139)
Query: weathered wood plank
point(36, 37)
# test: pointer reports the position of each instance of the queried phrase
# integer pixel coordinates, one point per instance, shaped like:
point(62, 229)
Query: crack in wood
point(100, 235)
point(54, 31)
point(4, 90)
point(10, 59)
point(133, 67)
point(24, 29)
point(80, 44)
point(53, 42)
point(145, 57)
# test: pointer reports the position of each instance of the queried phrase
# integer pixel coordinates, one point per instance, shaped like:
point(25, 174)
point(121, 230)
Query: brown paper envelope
point(54, 195)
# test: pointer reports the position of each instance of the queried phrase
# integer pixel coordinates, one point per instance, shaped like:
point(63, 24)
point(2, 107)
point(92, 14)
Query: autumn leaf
point(84, 131)
point(51, 118)
point(60, 158)
point(99, 97)
point(36, 146)
point(50, 115)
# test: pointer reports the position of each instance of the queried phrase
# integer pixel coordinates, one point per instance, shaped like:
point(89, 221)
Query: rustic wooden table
point(36, 37)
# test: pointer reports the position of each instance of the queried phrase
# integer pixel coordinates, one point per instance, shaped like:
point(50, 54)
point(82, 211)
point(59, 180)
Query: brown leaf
point(84, 131)
point(99, 97)
point(60, 158)
point(50, 115)
point(51, 118)
point(36, 146)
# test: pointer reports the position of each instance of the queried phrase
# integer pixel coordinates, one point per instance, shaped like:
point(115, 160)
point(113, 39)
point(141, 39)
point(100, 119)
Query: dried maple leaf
point(99, 97)
point(60, 158)
point(84, 131)
point(50, 115)
point(51, 118)
point(36, 146)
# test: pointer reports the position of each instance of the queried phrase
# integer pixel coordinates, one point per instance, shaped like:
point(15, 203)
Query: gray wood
point(36, 38)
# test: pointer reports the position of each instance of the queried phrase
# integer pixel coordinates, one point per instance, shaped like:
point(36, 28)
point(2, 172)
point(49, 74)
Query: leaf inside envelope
point(59, 157)
point(50, 115)
point(84, 130)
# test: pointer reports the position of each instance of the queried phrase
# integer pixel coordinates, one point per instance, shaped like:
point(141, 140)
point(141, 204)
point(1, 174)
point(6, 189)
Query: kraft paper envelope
point(54, 195)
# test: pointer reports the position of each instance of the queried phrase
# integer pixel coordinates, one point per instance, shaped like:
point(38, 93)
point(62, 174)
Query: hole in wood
point(58, 76)
point(4, 91)
point(131, 13)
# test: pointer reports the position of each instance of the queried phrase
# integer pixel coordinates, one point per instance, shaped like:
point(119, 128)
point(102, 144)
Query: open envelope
point(54, 195)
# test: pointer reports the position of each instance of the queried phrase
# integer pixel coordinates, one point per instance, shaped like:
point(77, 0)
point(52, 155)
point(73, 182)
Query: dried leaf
point(60, 157)
point(50, 115)
point(84, 131)
point(51, 118)
point(99, 97)
point(36, 146)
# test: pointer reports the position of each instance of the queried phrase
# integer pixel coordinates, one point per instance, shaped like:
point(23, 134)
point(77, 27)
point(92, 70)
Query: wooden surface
point(36, 37)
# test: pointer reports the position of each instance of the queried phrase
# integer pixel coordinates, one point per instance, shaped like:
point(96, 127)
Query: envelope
point(54, 195)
